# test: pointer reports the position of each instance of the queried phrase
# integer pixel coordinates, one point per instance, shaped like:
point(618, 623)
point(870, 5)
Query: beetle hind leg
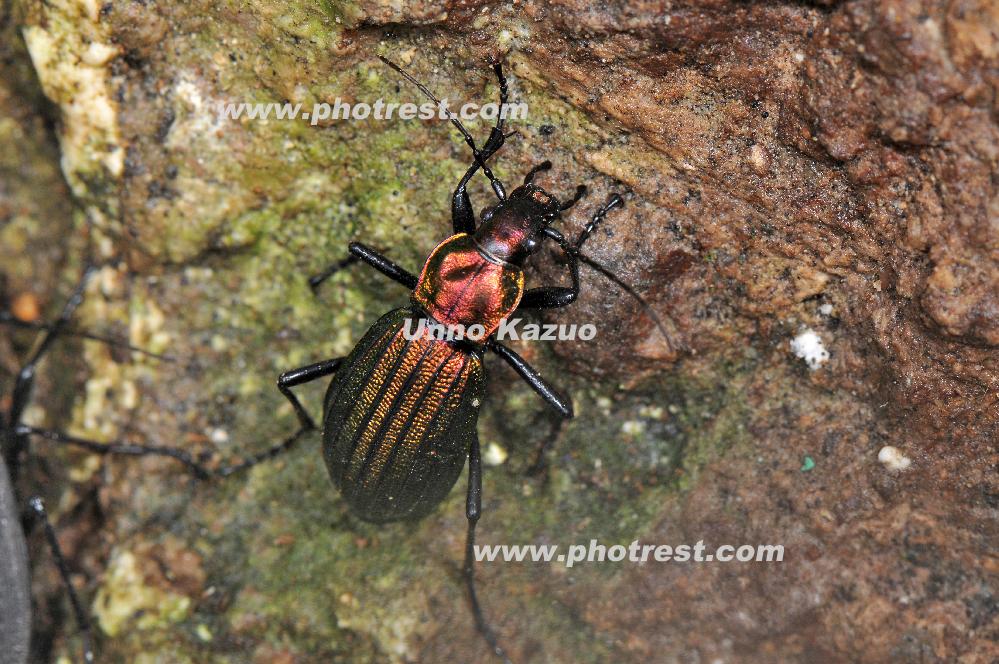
point(473, 509)
point(82, 620)
point(539, 467)
point(195, 463)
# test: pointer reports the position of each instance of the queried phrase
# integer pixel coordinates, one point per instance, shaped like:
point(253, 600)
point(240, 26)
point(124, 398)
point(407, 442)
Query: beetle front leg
point(550, 297)
point(462, 215)
point(553, 297)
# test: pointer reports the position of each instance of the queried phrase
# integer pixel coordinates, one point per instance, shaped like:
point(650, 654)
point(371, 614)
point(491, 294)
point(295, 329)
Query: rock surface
point(828, 166)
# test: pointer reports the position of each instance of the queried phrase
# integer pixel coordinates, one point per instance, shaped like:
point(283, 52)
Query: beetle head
point(512, 229)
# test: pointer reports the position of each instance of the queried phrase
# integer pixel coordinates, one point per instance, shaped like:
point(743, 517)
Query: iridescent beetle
point(400, 414)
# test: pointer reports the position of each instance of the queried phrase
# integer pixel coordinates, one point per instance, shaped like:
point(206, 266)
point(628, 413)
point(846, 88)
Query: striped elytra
point(399, 418)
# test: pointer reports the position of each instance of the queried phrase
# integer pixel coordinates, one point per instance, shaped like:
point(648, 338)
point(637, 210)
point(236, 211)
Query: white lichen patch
point(808, 346)
point(651, 412)
point(198, 115)
point(71, 51)
point(96, 414)
point(893, 459)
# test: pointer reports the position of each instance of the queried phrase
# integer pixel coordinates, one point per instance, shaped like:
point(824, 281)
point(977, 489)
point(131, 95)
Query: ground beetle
point(399, 416)
point(15, 437)
point(15, 609)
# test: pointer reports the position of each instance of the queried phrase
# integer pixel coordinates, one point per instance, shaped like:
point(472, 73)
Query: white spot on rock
point(893, 459)
point(494, 455)
point(633, 427)
point(808, 346)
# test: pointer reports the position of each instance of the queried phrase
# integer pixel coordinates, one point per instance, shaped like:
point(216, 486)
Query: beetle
point(400, 413)
point(15, 522)
point(399, 417)
point(15, 614)
point(15, 609)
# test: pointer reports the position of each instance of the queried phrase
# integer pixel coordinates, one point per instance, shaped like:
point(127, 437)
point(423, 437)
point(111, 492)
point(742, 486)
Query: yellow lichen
point(71, 52)
point(125, 599)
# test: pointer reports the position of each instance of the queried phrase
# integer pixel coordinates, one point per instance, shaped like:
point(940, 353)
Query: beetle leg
point(462, 215)
point(7, 318)
point(300, 376)
point(473, 509)
point(135, 449)
point(286, 381)
point(540, 464)
point(26, 376)
point(82, 621)
point(562, 405)
point(365, 253)
point(317, 280)
point(550, 297)
point(553, 297)
point(384, 265)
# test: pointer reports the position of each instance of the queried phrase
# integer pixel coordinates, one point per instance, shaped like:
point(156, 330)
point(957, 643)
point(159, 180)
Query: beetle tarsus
point(317, 280)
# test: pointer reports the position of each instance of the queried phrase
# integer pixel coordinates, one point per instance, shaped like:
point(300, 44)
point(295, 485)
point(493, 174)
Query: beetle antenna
point(574, 252)
point(623, 285)
point(480, 159)
point(613, 201)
